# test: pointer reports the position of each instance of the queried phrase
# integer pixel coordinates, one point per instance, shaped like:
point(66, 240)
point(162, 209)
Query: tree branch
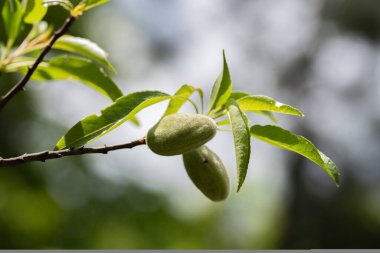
point(20, 86)
point(46, 155)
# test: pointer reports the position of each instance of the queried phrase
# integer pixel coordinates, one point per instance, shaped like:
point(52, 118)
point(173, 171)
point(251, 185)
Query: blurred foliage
point(65, 204)
point(361, 18)
point(341, 221)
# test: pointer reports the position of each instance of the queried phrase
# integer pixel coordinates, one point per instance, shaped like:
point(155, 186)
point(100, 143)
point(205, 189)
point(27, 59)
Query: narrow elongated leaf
point(242, 140)
point(18, 63)
point(200, 93)
point(240, 94)
point(264, 103)
point(93, 3)
point(222, 88)
point(224, 122)
point(84, 47)
point(80, 69)
point(179, 98)
point(285, 139)
point(93, 126)
point(147, 103)
point(12, 17)
point(40, 31)
point(34, 11)
point(267, 114)
point(135, 121)
point(3, 50)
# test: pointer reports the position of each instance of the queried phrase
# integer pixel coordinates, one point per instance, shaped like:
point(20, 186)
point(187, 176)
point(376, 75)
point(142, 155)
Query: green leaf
point(200, 93)
point(93, 126)
point(285, 139)
point(264, 103)
point(222, 88)
point(40, 31)
point(223, 122)
point(66, 4)
point(84, 47)
point(267, 114)
point(18, 63)
point(179, 98)
point(3, 52)
point(242, 140)
point(93, 3)
point(238, 94)
point(12, 16)
point(80, 69)
point(135, 121)
point(34, 11)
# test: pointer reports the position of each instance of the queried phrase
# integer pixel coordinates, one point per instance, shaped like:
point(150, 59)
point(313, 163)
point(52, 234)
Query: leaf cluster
point(224, 102)
point(82, 60)
point(86, 62)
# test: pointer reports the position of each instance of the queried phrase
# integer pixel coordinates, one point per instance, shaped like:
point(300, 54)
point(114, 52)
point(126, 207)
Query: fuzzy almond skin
point(178, 133)
point(207, 172)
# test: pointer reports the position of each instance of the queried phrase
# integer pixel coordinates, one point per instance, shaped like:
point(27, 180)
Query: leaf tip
point(225, 59)
point(112, 69)
point(239, 186)
point(333, 172)
point(336, 179)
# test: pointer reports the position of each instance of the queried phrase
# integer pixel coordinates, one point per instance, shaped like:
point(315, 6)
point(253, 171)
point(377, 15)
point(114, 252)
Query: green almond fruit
point(178, 133)
point(207, 172)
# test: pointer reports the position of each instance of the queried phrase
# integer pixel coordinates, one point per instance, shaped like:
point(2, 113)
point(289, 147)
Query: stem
point(217, 113)
point(20, 86)
point(47, 155)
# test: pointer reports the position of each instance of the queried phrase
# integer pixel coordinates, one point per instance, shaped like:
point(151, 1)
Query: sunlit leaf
point(222, 88)
point(242, 140)
point(3, 51)
point(93, 3)
point(80, 69)
point(238, 94)
point(268, 114)
point(135, 121)
point(37, 39)
point(84, 47)
point(40, 29)
point(93, 126)
point(179, 98)
point(223, 122)
point(200, 93)
point(264, 103)
point(18, 63)
point(34, 11)
point(285, 139)
point(12, 17)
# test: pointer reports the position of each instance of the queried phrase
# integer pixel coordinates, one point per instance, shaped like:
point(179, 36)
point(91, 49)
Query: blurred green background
point(320, 56)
